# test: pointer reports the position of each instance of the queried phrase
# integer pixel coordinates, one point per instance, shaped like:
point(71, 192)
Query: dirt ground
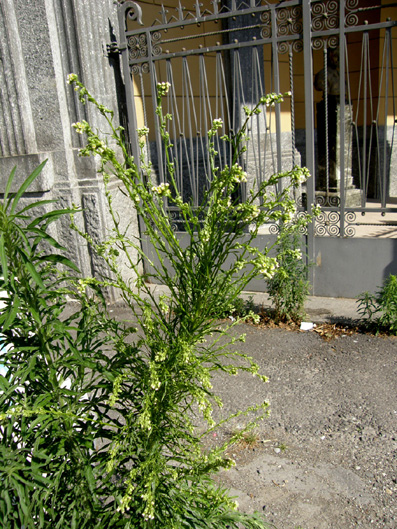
point(326, 456)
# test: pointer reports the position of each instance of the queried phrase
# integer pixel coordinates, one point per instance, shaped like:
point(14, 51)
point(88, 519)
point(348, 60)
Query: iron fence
point(334, 57)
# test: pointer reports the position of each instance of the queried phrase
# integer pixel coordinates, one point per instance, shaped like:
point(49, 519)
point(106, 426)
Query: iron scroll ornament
point(289, 22)
point(325, 16)
point(328, 224)
point(138, 46)
point(131, 11)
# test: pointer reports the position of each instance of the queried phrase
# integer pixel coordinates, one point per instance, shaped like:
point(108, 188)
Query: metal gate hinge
point(114, 49)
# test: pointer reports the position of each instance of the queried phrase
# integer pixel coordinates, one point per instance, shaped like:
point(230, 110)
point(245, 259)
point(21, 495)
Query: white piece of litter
point(307, 326)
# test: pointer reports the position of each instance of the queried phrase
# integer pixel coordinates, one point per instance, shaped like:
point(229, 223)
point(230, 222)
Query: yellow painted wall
point(151, 12)
point(390, 13)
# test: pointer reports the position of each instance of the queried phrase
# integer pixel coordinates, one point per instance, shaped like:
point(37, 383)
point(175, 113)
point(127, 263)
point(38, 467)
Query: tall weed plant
point(101, 422)
point(289, 287)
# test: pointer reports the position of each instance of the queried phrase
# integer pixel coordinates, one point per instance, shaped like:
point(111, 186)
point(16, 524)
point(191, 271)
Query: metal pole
point(388, 44)
point(309, 125)
point(342, 97)
point(276, 74)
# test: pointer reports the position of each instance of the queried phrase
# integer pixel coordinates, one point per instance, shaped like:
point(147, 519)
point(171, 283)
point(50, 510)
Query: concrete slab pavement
point(318, 309)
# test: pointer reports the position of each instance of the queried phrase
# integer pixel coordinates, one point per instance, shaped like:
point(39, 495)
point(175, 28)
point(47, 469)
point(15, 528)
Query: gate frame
point(315, 250)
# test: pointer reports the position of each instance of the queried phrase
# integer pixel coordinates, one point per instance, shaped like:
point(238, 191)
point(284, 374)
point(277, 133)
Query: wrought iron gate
point(336, 60)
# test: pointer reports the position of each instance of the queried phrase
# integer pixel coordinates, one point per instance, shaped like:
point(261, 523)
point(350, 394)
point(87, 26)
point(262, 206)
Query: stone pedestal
point(330, 153)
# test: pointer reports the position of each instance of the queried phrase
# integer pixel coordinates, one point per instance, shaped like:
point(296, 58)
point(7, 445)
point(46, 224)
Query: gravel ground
point(326, 456)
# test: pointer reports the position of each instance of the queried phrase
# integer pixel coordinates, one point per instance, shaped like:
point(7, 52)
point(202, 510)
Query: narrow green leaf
point(90, 478)
point(3, 259)
point(59, 259)
point(51, 216)
point(21, 498)
point(12, 313)
point(39, 203)
point(9, 183)
point(22, 234)
point(43, 235)
point(7, 501)
point(25, 185)
point(34, 274)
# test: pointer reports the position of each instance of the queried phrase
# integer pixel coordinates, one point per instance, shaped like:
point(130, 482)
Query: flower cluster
point(116, 390)
point(237, 174)
point(144, 420)
point(216, 124)
point(289, 211)
point(163, 89)
point(95, 146)
point(251, 211)
point(270, 100)
point(295, 254)
point(81, 127)
point(161, 355)
point(248, 112)
point(316, 210)
point(142, 132)
point(154, 377)
point(267, 266)
point(163, 306)
point(205, 235)
point(72, 78)
point(299, 175)
point(163, 190)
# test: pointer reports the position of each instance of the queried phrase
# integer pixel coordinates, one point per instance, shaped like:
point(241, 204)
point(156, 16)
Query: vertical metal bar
point(177, 150)
point(276, 74)
point(364, 147)
point(153, 82)
point(353, 125)
point(374, 124)
point(266, 128)
point(206, 109)
point(189, 96)
point(360, 172)
point(222, 101)
point(228, 125)
point(326, 116)
point(238, 93)
point(309, 126)
point(342, 117)
point(384, 173)
point(291, 87)
point(234, 121)
point(259, 117)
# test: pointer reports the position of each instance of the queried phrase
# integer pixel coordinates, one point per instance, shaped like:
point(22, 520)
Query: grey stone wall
point(41, 42)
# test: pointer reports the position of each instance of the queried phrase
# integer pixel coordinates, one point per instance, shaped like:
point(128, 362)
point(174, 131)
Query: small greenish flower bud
point(72, 77)
point(81, 127)
point(143, 131)
point(316, 210)
point(163, 190)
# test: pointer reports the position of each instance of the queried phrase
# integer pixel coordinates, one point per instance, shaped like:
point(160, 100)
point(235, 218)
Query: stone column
point(41, 42)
